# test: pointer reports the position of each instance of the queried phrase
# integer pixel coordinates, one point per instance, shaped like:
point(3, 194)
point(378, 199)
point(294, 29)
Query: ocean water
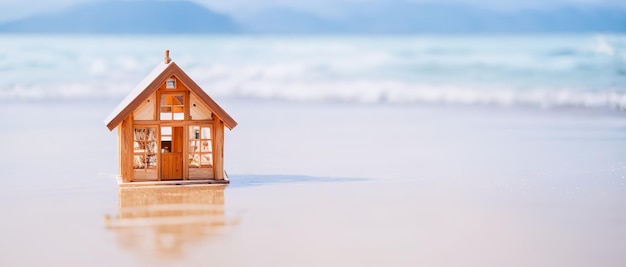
point(542, 71)
point(350, 151)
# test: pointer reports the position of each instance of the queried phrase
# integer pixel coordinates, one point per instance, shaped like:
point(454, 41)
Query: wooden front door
point(172, 153)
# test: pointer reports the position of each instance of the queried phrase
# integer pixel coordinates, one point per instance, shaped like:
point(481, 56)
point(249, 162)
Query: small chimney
point(167, 57)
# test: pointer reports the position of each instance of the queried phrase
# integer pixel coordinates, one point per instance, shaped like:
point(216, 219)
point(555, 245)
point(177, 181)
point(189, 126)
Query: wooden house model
point(170, 131)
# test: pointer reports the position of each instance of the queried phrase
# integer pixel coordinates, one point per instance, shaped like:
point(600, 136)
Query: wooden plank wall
point(145, 175)
point(200, 173)
point(218, 151)
point(119, 151)
point(127, 148)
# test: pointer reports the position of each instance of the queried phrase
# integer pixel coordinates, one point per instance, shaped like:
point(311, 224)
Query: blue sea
point(349, 151)
point(539, 71)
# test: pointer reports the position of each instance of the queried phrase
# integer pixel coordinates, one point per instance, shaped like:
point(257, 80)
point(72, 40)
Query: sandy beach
point(316, 184)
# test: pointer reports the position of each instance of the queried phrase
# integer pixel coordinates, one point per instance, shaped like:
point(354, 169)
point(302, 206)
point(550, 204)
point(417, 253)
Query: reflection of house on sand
point(165, 220)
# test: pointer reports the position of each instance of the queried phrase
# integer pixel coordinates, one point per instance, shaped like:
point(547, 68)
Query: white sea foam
point(602, 46)
point(352, 91)
point(539, 71)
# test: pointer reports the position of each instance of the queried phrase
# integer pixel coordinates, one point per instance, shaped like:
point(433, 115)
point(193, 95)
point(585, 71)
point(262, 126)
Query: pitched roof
point(151, 83)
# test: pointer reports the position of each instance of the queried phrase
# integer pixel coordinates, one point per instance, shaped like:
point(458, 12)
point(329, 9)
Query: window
point(166, 139)
point(200, 147)
point(170, 84)
point(145, 148)
point(172, 107)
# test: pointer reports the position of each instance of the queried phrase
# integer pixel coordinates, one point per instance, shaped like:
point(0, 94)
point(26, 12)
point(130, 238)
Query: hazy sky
point(18, 8)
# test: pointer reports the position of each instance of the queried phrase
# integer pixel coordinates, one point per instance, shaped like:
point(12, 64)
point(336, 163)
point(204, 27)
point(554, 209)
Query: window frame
point(170, 112)
point(195, 146)
point(144, 150)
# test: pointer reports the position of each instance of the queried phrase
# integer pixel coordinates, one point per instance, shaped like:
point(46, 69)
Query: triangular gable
point(151, 83)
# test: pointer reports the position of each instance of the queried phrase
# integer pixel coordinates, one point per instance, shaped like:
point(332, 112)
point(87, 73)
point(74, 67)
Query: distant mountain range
point(394, 17)
point(127, 17)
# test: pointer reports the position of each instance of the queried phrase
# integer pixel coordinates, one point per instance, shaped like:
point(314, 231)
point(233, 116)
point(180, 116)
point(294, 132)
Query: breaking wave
point(353, 91)
point(584, 71)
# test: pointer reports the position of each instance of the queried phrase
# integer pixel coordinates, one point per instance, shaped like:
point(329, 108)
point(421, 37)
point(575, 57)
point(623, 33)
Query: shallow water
point(325, 184)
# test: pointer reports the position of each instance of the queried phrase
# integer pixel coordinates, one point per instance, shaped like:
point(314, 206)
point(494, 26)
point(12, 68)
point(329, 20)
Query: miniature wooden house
point(169, 129)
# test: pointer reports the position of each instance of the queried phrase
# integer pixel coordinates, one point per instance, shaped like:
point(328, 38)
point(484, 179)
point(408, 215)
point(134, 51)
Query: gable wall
point(197, 109)
point(147, 109)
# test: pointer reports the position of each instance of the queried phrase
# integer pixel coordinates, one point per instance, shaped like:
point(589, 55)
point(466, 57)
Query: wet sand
point(330, 184)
